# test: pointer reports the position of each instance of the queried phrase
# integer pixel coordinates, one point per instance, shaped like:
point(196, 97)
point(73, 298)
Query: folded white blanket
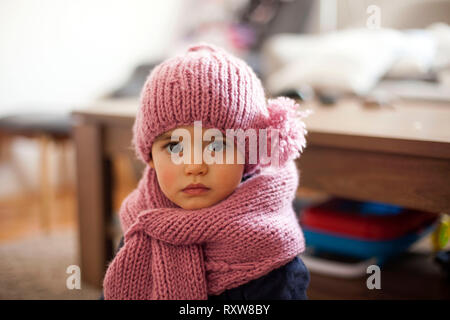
point(352, 60)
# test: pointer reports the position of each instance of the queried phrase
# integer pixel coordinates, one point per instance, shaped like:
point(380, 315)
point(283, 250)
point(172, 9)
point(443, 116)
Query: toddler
point(212, 215)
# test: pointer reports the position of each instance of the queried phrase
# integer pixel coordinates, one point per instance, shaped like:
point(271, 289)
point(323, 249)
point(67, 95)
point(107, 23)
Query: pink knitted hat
point(208, 84)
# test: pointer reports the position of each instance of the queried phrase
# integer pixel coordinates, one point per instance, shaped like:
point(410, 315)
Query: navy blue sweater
point(289, 282)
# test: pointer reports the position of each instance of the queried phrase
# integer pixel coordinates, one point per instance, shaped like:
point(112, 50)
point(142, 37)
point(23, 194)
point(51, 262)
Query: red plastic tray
point(329, 217)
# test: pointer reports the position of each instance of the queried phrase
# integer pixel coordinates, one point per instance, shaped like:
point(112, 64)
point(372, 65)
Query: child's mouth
point(195, 191)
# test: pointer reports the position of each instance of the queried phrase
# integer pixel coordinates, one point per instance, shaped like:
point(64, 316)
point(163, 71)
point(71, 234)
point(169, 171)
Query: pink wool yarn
point(172, 253)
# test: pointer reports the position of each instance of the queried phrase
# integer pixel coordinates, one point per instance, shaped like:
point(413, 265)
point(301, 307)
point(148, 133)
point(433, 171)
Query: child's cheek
point(228, 175)
point(222, 175)
point(168, 176)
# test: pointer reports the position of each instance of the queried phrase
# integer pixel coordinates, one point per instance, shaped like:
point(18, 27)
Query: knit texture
point(208, 84)
point(172, 253)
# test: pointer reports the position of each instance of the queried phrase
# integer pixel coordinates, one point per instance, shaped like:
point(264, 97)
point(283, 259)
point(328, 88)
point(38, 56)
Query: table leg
point(94, 203)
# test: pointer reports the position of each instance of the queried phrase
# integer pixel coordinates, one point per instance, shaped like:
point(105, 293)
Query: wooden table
point(398, 156)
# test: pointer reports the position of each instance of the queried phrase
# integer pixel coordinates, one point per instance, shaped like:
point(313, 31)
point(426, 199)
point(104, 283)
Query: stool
point(46, 128)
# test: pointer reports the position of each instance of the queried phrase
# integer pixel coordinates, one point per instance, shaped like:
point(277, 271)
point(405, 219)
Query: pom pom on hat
point(285, 118)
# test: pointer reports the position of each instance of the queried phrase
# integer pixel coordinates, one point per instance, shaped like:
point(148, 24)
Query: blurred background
point(378, 69)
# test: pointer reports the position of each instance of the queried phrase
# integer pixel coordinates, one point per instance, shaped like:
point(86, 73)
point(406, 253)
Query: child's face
point(221, 179)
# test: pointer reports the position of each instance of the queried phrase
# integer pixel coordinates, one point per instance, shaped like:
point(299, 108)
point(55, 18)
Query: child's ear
point(150, 162)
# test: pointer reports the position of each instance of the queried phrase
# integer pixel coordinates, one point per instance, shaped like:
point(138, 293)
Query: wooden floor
point(21, 214)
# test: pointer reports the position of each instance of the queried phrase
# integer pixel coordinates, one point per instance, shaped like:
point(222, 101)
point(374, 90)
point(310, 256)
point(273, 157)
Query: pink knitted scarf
point(173, 253)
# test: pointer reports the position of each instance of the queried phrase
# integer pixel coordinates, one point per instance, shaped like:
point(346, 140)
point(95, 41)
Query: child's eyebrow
point(165, 136)
point(219, 137)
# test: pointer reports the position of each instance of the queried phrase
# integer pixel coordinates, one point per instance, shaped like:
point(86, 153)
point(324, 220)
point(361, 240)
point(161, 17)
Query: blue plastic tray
point(364, 249)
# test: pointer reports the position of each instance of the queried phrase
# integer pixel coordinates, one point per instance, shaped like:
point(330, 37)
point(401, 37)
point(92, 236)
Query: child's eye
point(216, 146)
point(174, 147)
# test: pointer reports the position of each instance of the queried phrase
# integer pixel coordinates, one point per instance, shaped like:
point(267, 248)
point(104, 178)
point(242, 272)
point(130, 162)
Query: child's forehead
point(168, 133)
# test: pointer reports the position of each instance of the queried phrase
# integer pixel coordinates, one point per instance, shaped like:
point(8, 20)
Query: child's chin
point(198, 205)
point(194, 206)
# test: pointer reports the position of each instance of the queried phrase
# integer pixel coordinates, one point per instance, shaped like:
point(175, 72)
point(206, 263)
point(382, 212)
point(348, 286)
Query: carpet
point(34, 268)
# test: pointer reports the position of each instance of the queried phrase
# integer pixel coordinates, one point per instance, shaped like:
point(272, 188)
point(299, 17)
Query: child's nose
point(196, 166)
point(196, 169)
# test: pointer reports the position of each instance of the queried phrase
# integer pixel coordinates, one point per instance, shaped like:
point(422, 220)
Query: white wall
point(55, 54)
point(58, 54)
